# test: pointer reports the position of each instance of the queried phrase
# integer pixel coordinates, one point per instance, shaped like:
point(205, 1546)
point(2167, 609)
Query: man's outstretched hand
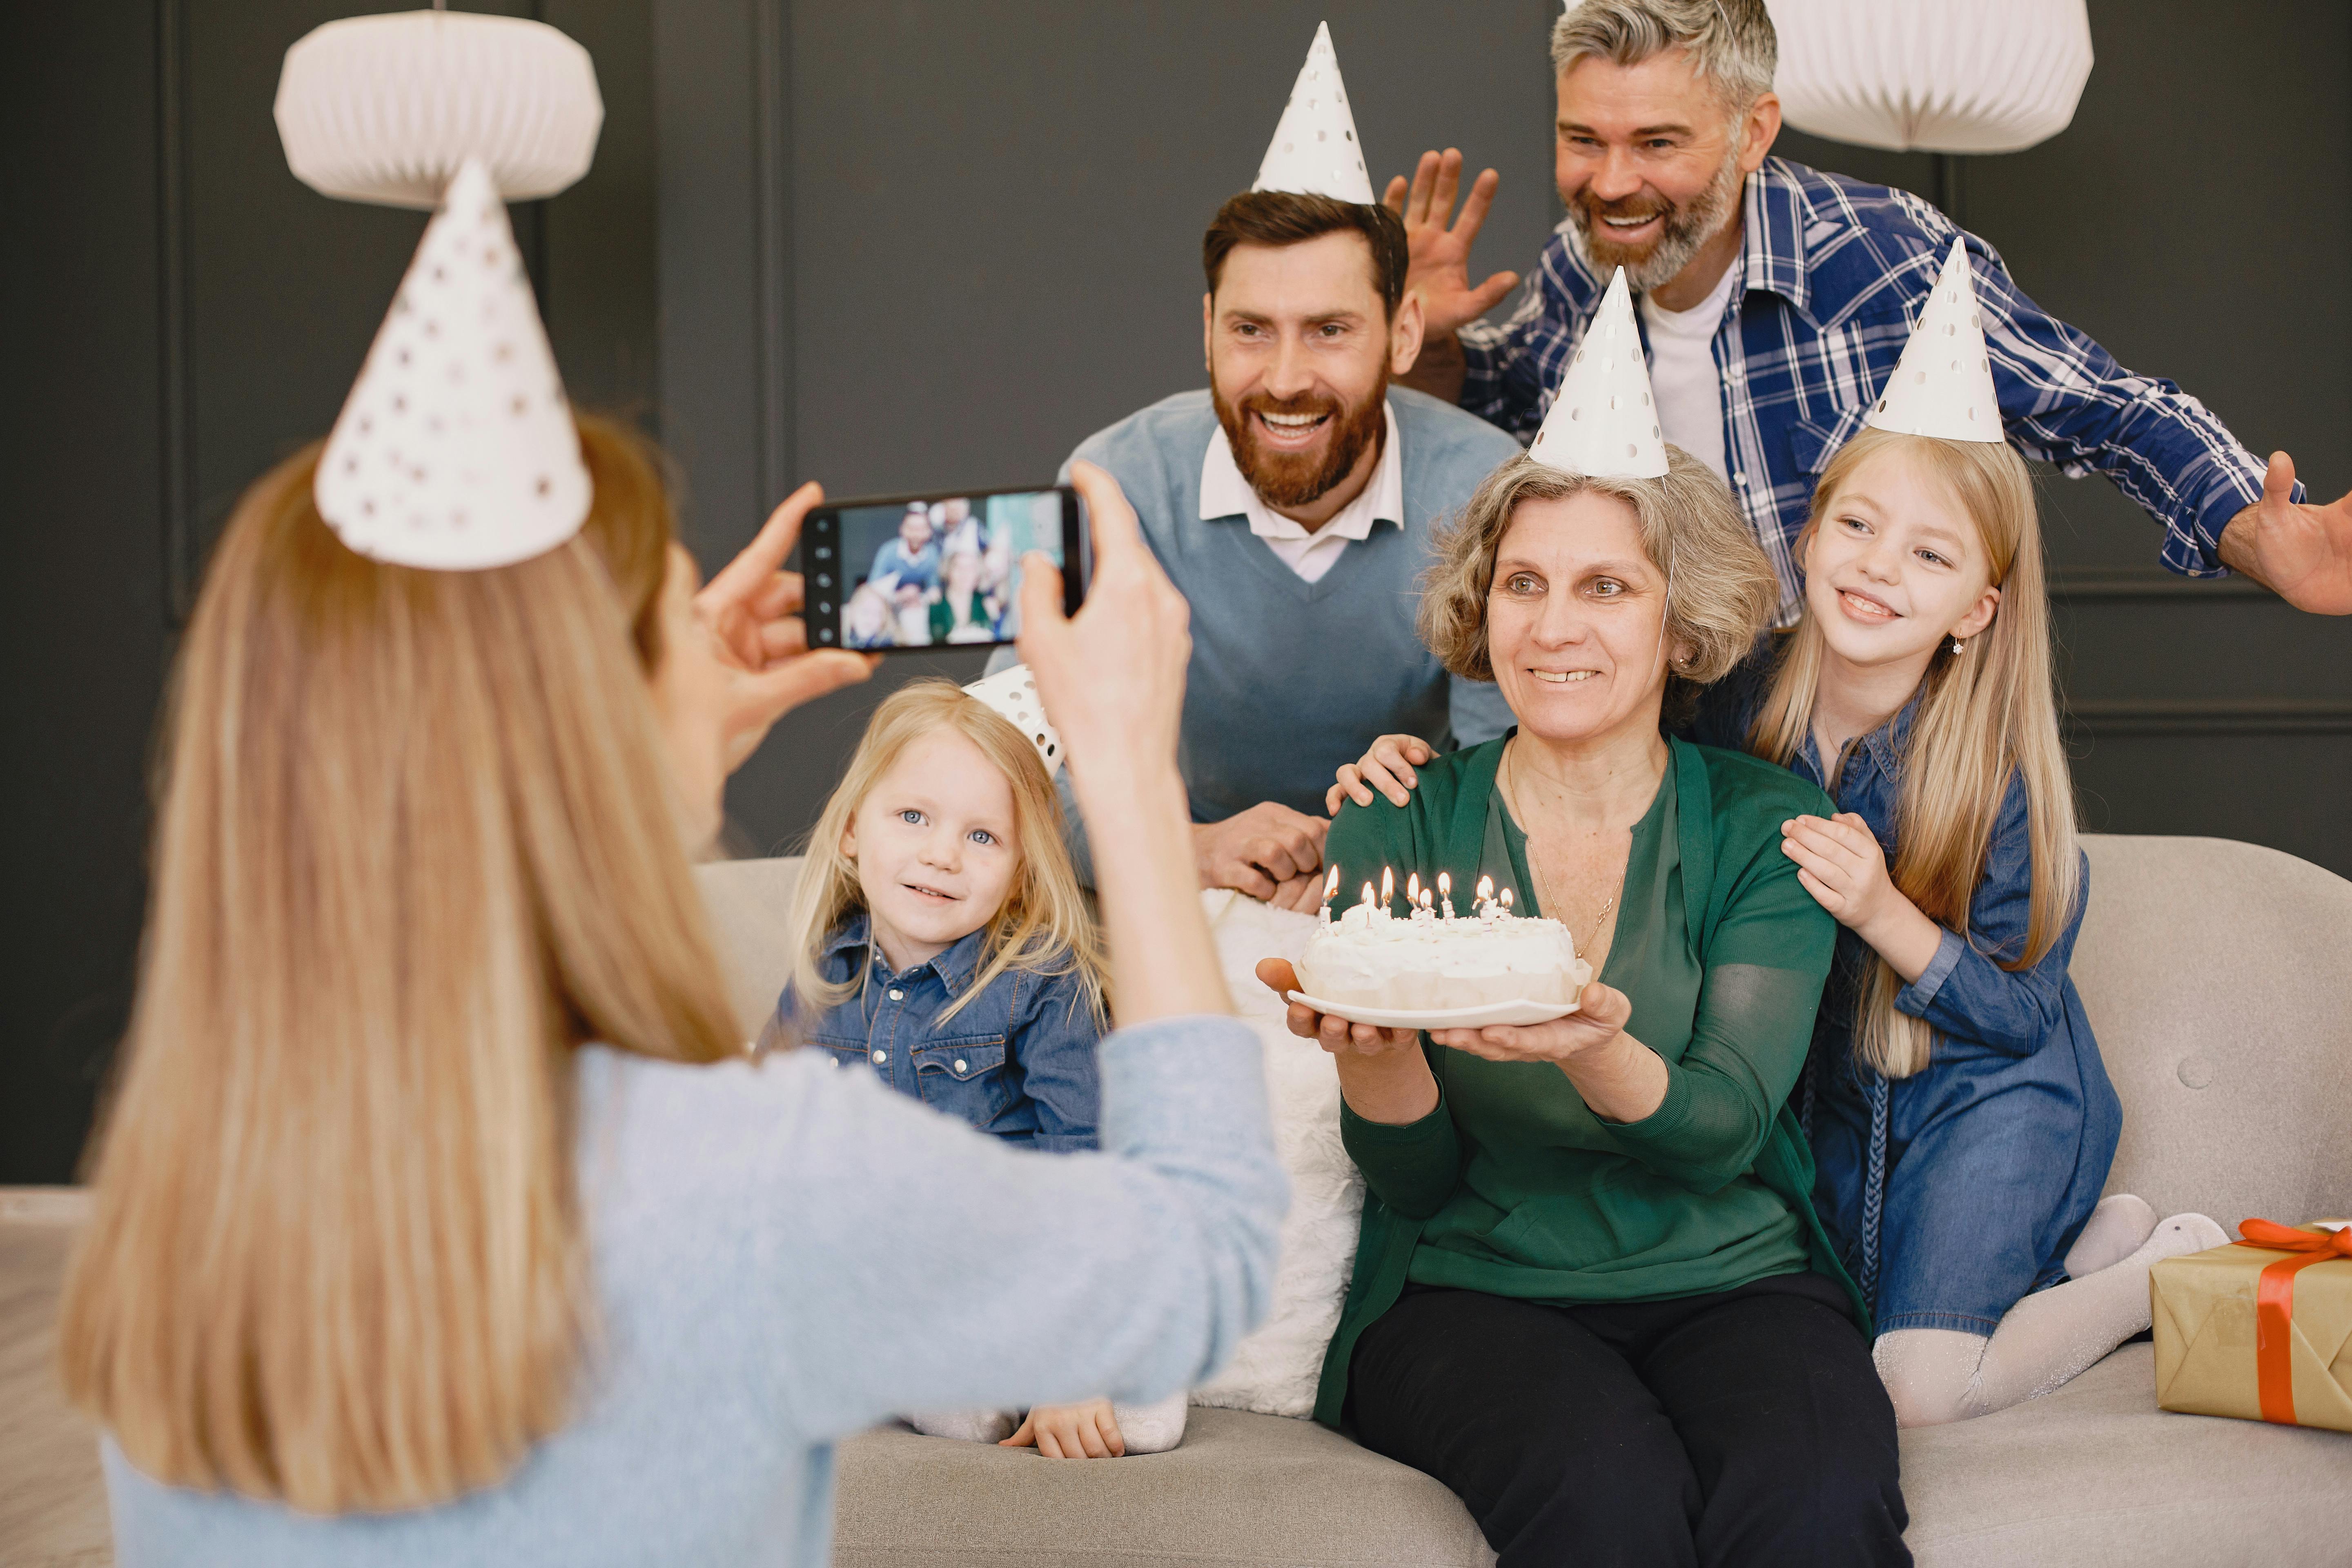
point(2300, 552)
point(1438, 244)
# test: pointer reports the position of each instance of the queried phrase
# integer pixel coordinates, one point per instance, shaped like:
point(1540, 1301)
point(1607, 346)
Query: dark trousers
point(1743, 1427)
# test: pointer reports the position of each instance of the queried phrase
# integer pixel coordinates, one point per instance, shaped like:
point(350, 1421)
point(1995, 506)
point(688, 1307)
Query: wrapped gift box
point(2260, 1329)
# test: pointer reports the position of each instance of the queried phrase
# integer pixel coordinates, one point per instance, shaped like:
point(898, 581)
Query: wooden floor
point(52, 1501)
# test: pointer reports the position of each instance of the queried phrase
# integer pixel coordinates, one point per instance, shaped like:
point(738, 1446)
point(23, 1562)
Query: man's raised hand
point(2300, 552)
point(1438, 243)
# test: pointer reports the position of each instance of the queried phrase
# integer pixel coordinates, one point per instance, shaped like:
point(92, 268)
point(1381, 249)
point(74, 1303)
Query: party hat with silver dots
point(1602, 421)
point(1014, 693)
point(1315, 152)
point(1943, 385)
point(456, 450)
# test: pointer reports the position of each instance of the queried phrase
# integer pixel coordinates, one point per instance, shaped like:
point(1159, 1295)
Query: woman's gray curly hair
point(1721, 594)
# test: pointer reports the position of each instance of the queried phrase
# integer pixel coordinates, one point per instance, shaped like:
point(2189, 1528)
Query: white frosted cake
point(1429, 963)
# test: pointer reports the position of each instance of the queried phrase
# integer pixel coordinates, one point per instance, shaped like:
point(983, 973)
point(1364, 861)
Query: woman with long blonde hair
point(440, 1216)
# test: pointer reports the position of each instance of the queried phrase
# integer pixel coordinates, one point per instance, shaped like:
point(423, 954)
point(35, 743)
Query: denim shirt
point(1018, 1061)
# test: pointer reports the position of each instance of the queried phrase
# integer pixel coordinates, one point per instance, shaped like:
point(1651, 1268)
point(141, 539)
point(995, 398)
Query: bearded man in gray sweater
point(1292, 501)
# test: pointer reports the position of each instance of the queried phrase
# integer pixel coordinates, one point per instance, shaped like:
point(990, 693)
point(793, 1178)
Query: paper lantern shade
point(384, 109)
point(1936, 76)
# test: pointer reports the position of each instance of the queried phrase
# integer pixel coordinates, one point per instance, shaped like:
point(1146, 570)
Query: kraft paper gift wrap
point(2259, 1331)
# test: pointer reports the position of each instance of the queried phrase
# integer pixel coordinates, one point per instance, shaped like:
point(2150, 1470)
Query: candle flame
point(1331, 885)
point(1413, 888)
point(1486, 889)
point(1427, 897)
point(1445, 886)
point(1388, 886)
point(1368, 892)
point(1507, 900)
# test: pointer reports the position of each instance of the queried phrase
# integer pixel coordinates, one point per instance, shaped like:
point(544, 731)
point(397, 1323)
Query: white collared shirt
point(1225, 492)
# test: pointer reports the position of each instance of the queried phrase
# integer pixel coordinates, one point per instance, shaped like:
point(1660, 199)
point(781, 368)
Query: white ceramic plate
point(1443, 1018)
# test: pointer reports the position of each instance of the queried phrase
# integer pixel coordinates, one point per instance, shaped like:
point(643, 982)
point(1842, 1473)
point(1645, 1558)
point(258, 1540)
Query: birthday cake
point(1431, 962)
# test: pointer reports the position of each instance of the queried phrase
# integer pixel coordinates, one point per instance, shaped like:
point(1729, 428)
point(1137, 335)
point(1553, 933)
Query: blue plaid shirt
point(1834, 273)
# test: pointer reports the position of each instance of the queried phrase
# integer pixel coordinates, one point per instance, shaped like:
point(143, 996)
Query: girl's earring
point(1957, 645)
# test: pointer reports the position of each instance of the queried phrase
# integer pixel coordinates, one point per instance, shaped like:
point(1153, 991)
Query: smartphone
point(891, 573)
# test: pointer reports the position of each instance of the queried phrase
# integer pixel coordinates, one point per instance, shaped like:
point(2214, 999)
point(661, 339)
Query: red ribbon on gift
point(2274, 1306)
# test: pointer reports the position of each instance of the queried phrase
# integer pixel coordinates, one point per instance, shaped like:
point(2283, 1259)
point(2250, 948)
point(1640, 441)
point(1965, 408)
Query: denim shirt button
point(962, 1066)
point(897, 995)
point(881, 1057)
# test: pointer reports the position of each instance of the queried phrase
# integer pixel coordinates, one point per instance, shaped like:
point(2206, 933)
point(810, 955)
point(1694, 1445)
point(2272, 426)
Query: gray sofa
point(2219, 976)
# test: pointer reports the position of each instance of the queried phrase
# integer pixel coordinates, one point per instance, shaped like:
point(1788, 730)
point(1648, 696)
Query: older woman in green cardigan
point(1591, 1294)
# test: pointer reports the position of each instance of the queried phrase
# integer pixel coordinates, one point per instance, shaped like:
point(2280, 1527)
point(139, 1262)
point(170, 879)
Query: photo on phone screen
point(928, 572)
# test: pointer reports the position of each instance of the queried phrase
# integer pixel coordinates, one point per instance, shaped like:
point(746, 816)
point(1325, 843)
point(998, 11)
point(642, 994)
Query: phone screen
point(926, 572)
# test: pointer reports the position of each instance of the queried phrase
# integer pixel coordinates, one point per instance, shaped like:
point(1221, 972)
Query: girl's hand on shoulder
point(1386, 767)
point(1083, 1431)
point(1841, 864)
point(1336, 1035)
point(1601, 1016)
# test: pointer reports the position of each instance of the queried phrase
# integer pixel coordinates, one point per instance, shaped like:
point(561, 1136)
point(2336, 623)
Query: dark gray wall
point(181, 314)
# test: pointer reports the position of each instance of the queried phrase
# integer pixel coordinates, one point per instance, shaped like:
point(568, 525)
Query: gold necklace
point(1545, 891)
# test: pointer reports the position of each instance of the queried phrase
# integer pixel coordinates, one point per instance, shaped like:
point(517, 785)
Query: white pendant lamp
point(1936, 76)
point(384, 109)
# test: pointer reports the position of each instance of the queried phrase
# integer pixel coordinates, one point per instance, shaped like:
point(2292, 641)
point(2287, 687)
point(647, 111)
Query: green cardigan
point(1719, 1151)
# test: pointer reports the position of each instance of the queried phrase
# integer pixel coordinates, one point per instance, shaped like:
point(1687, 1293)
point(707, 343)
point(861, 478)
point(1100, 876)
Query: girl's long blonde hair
point(1044, 926)
point(415, 842)
point(1988, 714)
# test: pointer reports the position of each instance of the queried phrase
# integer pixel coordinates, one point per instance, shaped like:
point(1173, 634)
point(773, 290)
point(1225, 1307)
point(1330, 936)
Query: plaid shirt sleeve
point(2066, 401)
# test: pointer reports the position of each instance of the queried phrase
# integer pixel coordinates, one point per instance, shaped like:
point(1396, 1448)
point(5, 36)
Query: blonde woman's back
point(748, 1315)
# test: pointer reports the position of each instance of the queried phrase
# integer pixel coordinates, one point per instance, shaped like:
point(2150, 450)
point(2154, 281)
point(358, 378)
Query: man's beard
point(1687, 227)
point(1292, 479)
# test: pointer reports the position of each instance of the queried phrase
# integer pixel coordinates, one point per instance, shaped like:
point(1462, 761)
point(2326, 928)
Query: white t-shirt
point(1224, 492)
point(1683, 376)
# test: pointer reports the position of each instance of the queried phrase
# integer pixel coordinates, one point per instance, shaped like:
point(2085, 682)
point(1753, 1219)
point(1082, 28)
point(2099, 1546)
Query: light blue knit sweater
point(785, 1255)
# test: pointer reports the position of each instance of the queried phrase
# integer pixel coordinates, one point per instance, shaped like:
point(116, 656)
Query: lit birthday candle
point(1412, 890)
point(1506, 897)
point(1486, 894)
point(1367, 895)
point(1445, 893)
point(1387, 888)
point(1331, 891)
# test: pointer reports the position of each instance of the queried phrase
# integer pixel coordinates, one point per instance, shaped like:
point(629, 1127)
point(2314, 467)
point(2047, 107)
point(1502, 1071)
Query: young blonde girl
point(941, 941)
point(1961, 1121)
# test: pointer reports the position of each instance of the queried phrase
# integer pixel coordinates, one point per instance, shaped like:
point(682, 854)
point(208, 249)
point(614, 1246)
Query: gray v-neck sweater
point(1290, 679)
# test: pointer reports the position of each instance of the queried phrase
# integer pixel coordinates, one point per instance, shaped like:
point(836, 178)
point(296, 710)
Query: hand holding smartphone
point(890, 574)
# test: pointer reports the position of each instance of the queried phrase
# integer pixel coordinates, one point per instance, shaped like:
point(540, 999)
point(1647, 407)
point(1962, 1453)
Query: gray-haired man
point(1776, 299)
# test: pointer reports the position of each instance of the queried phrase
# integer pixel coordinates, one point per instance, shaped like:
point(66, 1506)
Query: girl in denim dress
point(941, 944)
point(1961, 1120)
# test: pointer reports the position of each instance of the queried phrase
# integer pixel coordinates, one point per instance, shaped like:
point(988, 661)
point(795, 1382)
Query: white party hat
point(1943, 385)
point(1014, 693)
point(456, 450)
point(1602, 420)
point(1315, 152)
